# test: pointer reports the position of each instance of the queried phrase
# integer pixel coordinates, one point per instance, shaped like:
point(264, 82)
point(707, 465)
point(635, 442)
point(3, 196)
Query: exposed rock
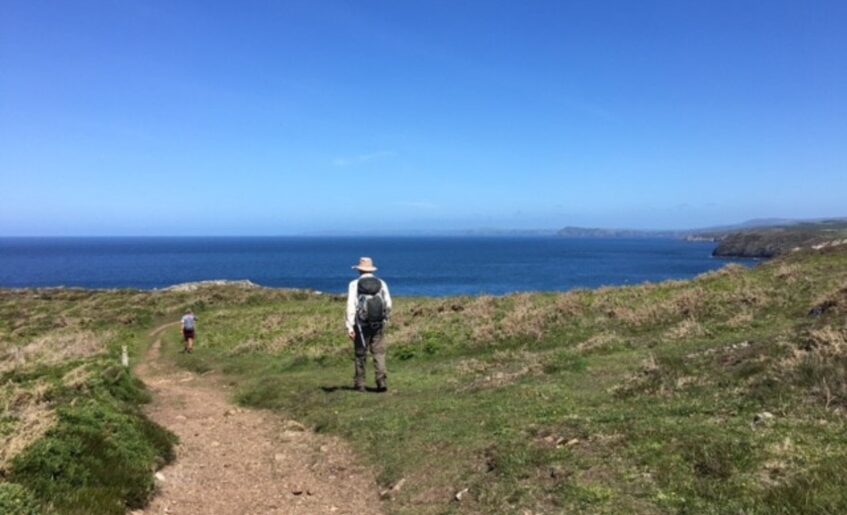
point(194, 286)
point(293, 425)
point(763, 418)
point(394, 489)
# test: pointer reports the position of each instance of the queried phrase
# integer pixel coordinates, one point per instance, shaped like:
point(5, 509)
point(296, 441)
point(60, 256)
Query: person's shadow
point(346, 388)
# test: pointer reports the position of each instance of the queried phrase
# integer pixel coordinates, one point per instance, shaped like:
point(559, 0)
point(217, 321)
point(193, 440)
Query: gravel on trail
point(233, 460)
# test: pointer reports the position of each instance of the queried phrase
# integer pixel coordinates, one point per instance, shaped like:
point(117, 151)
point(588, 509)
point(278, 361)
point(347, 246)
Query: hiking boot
point(382, 388)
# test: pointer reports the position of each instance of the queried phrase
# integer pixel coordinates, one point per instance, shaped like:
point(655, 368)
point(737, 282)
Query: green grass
point(646, 399)
point(73, 415)
point(657, 385)
point(99, 455)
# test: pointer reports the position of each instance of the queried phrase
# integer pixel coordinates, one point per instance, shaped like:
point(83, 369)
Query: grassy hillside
point(722, 394)
point(775, 241)
point(719, 395)
point(73, 437)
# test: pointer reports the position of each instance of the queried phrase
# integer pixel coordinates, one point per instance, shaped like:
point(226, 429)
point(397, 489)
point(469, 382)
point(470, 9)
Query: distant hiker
point(188, 324)
point(368, 310)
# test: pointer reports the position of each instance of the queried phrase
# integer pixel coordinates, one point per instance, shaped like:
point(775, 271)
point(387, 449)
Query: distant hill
point(774, 241)
point(719, 233)
point(594, 232)
point(705, 233)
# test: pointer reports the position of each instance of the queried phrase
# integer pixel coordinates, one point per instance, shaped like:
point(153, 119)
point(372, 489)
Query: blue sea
point(431, 266)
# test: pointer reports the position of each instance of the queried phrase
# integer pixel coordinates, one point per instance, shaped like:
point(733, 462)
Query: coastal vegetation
point(775, 241)
point(73, 437)
point(721, 394)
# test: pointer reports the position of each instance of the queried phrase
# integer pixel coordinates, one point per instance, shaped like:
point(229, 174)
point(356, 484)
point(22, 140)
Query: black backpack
point(370, 305)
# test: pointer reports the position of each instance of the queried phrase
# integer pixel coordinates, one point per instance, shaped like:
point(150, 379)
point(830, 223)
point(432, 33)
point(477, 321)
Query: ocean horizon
point(412, 265)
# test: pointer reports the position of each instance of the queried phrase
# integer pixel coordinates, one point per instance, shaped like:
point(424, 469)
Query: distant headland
point(761, 238)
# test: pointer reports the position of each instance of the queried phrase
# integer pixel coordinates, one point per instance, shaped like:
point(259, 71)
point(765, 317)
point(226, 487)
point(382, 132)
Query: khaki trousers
point(370, 339)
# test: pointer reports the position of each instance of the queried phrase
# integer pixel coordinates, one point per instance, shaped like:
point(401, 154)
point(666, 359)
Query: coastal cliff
point(772, 242)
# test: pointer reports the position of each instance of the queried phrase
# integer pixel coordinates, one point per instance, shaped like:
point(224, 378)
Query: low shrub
point(100, 454)
point(17, 500)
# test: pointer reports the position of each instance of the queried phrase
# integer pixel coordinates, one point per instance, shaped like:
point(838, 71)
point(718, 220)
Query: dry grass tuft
point(482, 313)
point(647, 379)
point(504, 368)
point(249, 346)
point(834, 301)
point(690, 302)
point(730, 270)
point(526, 319)
point(406, 333)
point(638, 307)
point(31, 416)
point(740, 319)
point(819, 363)
point(645, 315)
point(827, 341)
point(748, 295)
point(305, 331)
point(568, 305)
point(688, 328)
point(600, 342)
point(789, 273)
point(77, 377)
point(501, 378)
point(471, 366)
point(54, 348)
point(781, 467)
point(273, 322)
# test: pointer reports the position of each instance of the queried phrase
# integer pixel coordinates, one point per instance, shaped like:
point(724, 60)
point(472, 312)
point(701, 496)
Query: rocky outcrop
point(194, 286)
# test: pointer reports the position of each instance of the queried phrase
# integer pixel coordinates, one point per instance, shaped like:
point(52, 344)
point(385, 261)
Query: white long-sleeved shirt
point(353, 296)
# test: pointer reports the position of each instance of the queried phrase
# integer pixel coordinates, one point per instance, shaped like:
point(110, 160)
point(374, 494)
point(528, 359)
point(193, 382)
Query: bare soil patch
point(245, 461)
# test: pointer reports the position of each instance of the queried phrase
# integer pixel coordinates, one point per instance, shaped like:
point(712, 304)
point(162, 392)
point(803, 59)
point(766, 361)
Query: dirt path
point(239, 461)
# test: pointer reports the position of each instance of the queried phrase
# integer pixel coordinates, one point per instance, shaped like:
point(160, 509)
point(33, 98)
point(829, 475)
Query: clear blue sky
point(276, 117)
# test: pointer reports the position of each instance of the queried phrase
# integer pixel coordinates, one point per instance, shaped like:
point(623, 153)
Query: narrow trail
point(232, 460)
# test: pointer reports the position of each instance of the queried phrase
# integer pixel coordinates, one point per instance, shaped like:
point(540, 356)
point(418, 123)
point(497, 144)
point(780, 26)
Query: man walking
point(368, 310)
point(188, 323)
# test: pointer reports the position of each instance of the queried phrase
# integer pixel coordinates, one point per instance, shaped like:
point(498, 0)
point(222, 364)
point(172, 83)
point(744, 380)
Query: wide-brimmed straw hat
point(366, 264)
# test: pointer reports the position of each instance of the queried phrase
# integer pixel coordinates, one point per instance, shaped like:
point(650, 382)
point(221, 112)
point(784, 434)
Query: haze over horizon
point(212, 118)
